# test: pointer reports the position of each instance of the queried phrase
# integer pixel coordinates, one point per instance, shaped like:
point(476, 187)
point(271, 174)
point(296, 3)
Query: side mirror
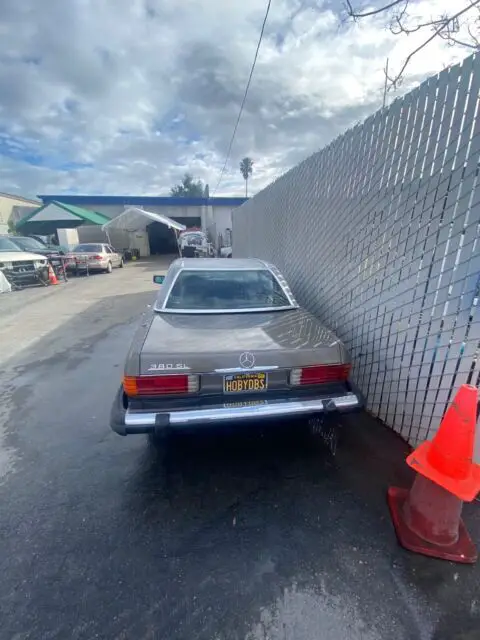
point(158, 279)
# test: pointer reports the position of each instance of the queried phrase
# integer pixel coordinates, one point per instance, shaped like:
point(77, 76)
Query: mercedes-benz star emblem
point(247, 360)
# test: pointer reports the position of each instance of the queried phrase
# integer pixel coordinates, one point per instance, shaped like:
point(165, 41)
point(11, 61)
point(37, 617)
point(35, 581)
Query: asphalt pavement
point(251, 535)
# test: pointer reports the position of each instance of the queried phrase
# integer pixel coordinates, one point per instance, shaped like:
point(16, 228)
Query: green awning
point(57, 215)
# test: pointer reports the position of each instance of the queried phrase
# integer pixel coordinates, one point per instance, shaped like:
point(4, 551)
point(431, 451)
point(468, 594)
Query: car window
point(42, 242)
point(226, 290)
point(107, 249)
point(28, 244)
point(193, 238)
point(88, 248)
point(7, 245)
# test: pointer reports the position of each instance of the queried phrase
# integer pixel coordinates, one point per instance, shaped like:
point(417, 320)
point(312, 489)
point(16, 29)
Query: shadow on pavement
point(320, 521)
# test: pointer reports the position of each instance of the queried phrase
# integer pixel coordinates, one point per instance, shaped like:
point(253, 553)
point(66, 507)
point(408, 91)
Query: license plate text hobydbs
point(244, 382)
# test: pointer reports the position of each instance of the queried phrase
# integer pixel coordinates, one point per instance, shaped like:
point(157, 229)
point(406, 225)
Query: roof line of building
point(16, 197)
point(85, 214)
point(142, 200)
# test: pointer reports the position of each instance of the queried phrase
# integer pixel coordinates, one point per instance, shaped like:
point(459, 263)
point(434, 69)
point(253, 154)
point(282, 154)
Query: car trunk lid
point(216, 346)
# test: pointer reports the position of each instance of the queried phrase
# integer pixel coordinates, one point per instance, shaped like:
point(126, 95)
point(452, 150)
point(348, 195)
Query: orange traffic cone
point(448, 458)
point(52, 278)
point(427, 518)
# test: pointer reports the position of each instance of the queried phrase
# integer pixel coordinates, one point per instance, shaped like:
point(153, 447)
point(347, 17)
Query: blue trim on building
point(143, 200)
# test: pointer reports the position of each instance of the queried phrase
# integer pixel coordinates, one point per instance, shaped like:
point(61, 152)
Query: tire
point(122, 264)
point(109, 268)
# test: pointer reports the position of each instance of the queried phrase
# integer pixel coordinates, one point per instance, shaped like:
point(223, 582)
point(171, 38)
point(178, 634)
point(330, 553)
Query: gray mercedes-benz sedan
point(224, 342)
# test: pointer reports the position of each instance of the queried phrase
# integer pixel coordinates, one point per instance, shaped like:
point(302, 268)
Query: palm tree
point(246, 169)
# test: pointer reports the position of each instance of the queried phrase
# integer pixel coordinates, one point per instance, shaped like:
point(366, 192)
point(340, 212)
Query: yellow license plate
point(245, 382)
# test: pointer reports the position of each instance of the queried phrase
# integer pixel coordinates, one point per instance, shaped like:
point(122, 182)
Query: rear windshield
point(88, 248)
point(8, 245)
point(230, 290)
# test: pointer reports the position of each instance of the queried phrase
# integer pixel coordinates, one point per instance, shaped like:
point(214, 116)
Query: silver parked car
point(226, 341)
point(94, 257)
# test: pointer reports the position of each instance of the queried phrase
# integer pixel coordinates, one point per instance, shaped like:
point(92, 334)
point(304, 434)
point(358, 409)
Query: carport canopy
point(136, 219)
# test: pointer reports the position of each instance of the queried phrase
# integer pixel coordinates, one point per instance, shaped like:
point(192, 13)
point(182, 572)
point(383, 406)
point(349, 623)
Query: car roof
point(218, 264)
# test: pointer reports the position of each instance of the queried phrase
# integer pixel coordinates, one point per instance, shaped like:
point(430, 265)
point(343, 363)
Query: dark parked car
point(226, 341)
point(33, 245)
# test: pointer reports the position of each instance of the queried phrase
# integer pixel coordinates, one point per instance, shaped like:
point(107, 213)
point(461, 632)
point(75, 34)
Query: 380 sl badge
point(168, 366)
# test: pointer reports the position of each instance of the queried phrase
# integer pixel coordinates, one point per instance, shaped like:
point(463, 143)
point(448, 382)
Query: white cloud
point(123, 96)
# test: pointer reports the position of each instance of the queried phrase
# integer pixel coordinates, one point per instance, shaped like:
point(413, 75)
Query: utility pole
point(385, 71)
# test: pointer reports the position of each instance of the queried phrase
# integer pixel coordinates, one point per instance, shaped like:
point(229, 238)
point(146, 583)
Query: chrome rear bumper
point(127, 421)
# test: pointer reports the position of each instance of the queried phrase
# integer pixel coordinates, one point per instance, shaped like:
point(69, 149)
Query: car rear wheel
point(109, 268)
point(122, 264)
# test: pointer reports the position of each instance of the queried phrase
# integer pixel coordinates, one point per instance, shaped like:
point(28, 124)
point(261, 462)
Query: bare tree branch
point(398, 18)
point(475, 40)
point(446, 27)
point(453, 41)
point(402, 28)
point(437, 31)
point(355, 14)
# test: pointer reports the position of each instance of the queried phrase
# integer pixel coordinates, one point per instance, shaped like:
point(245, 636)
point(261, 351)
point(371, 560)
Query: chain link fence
point(378, 235)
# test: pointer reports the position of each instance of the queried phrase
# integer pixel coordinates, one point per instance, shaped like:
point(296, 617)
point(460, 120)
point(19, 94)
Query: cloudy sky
point(124, 96)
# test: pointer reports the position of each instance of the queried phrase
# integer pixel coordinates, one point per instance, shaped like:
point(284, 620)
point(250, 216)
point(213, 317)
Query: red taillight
point(321, 374)
point(159, 385)
point(97, 258)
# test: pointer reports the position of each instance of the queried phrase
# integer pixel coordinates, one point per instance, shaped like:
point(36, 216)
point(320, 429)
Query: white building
point(12, 208)
point(211, 214)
